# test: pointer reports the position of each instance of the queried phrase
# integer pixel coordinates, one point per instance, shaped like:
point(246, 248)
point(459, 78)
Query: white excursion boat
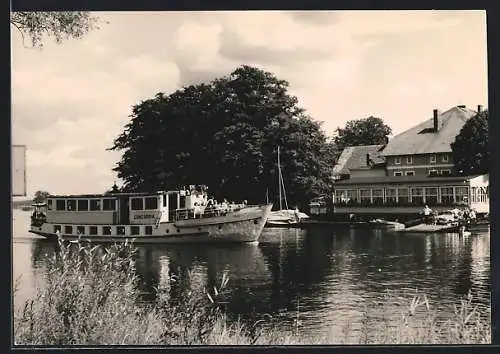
point(284, 217)
point(181, 216)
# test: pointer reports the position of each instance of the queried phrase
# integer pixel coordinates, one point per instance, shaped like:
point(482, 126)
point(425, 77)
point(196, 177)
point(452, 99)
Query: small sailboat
point(284, 217)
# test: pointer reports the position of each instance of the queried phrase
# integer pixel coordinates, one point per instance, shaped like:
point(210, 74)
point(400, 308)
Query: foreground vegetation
point(91, 296)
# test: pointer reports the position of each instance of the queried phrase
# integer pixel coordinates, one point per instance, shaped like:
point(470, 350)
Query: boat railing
point(206, 212)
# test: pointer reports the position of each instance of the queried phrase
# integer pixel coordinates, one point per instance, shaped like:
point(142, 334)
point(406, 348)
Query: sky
point(70, 101)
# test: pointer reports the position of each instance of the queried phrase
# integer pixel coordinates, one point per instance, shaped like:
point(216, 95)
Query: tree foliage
point(59, 25)
point(470, 149)
point(367, 131)
point(225, 134)
point(40, 196)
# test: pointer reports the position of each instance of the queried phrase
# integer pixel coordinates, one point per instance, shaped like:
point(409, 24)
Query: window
point(365, 195)
point(60, 204)
point(108, 204)
point(149, 230)
point(57, 228)
point(397, 160)
point(433, 173)
point(151, 203)
point(445, 158)
point(120, 230)
point(106, 230)
point(71, 204)
point(409, 160)
point(49, 204)
point(445, 172)
point(83, 205)
point(378, 196)
point(431, 195)
point(137, 203)
point(447, 195)
point(164, 200)
point(403, 196)
point(134, 230)
point(390, 195)
point(433, 159)
point(398, 174)
point(461, 194)
point(352, 195)
point(93, 230)
point(340, 196)
point(68, 229)
point(410, 173)
point(417, 196)
point(80, 230)
point(95, 204)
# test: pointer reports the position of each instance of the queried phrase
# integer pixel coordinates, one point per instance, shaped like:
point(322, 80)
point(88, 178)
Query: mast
point(279, 177)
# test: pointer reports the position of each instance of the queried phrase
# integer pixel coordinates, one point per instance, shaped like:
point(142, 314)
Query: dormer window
point(409, 160)
point(397, 160)
point(433, 159)
point(445, 158)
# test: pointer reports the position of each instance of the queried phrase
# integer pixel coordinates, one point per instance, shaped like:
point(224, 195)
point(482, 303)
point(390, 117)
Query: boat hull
point(243, 226)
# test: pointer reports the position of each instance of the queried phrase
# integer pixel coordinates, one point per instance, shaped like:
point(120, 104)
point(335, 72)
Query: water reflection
point(330, 275)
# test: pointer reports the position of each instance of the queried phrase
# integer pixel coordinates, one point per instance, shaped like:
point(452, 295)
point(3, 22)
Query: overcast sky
point(71, 100)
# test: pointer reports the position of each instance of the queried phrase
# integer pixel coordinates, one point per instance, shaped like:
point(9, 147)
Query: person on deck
point(427, 214)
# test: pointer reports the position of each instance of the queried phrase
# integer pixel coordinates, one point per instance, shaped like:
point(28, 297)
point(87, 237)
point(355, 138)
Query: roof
point(354, 157)
point(404, 179)
point(104, 195)
point(416, 141)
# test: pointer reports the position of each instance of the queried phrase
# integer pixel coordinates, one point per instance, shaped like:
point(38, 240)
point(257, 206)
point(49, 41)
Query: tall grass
point(92, 297)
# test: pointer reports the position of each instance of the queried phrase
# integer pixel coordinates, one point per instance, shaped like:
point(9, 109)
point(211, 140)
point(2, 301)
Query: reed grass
point(92, 297)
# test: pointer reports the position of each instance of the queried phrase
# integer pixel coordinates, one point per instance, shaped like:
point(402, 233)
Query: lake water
point(324, 277)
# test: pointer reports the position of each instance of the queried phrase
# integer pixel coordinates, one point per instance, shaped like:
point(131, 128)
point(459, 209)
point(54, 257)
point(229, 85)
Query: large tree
point(225, 134)
point(60, 25)
point(470, 149)
point(367, 131)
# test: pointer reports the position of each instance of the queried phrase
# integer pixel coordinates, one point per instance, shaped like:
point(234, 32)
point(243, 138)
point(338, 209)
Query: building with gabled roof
point(414, 169)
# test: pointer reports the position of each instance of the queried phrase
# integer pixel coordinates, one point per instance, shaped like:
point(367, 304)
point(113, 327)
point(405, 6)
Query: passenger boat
point(179, 216)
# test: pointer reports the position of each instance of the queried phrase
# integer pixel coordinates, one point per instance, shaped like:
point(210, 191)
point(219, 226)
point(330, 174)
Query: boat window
point(106, 230)
point(71, 204)
point(120, 230)
point(164, 200)
point(57, 228)
point(134, 230)
point(68, 229)
point(108, 204)
point(83, 205)
point(182, 203)
point(95, 204)
point(93, 230)
point(80, 230)
point(60, 204)
point(137, 203)
point(151, 203)
point(149, 230)
point(49, 204)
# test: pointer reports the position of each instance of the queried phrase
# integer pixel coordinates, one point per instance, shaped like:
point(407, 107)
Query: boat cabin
point(125, 208)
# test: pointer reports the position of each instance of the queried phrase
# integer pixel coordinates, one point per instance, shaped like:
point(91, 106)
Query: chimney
point(436, 120)
point(367, 159)
point(479, 108)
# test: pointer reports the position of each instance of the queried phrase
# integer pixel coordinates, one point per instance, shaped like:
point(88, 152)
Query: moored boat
point(180, 216)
